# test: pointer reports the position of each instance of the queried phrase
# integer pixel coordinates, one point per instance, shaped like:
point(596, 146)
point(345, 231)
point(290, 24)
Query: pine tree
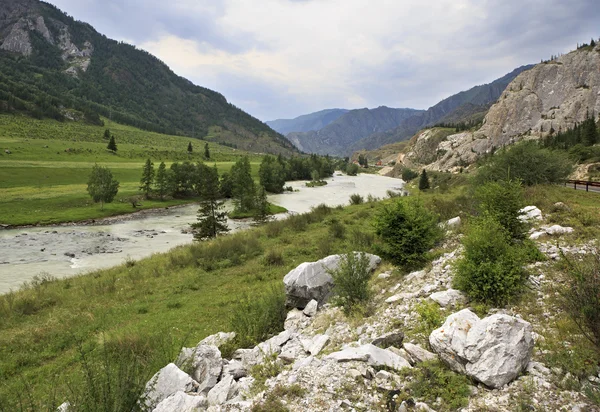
point(590, 132)
point(162, 181)
point(593, 43)
point(206, 152)
point(243, 185)
point(212, 220)
point(190, 148)
point(261, 206)
point(107, 134)
point(112, 145)
point(424, 181)
point(147, 178)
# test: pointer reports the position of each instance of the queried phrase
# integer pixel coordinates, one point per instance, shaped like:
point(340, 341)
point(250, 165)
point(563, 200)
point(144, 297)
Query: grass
point(44, 179)
point(183, 296)
point(273, 210)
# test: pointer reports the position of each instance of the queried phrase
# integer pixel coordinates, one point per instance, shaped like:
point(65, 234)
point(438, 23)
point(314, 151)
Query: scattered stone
point(64, 407)
point(537, 235)
point(385, 275)
point(558, 230)
point(234, 368)
point(317, 345)
point(7, 151)
point(371, 354)
point(205, 364)
point(295, 320)
point(450, 297)
point(419, 274)
point(418, 354)
point(311, 309)
point(493, 350)
point(389, 339)
point(182, 402)
point(218, 339)
point(311, 280)
point(166, 382)
point(455, 222)
point(530, 214)
point(538, 369)
point(561, 206)
point(221, 392)
point(292, 350)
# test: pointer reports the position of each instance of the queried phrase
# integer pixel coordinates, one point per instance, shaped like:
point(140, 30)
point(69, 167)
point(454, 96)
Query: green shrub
point(502, 201)
point(257, 318)
point(273, 258)
point(431, 316)
point(581, 299)
point(407, 231)
point(529, 163)
point(356, 199)
point(351, 280)
point(337, 230)
point(409, 174)
point(491, 268)
point(361, 239)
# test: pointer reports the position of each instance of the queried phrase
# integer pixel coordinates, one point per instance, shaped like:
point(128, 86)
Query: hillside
point(335, 138)
point(462, 106)
point(550, 98)
point(306, 123)
point(50, 63)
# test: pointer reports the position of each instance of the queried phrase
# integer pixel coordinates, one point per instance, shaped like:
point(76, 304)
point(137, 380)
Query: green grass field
point(44, 178)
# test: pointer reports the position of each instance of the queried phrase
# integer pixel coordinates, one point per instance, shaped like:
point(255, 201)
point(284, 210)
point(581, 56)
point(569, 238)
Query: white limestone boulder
point(372, 355)
point(450, 297)
point(558, 230)
point(166, 382)
point(311, 280)
point(530, 214)
point(493, 350)
point(182, 402)
point(204, 363)
point(418, 354)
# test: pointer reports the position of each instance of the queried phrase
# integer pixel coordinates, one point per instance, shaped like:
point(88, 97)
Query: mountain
point(552, 96)
point(335, 138)
point(54, 66)
point(306, 123)
point(459, 107)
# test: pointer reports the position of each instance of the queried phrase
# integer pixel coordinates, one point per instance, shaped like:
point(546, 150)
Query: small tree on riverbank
point(147, 178)
point(102, 187)
point(162, 181)
point(212, 220)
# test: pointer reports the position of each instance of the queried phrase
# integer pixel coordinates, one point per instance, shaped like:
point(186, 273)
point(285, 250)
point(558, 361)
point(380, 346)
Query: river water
point(63, 251)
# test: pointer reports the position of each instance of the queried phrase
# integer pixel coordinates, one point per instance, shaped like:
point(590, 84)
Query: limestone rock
point(64, 407)
point(234, 368)
point(291, 351)
point(310, 280)
point(455, 222)
point(218, 339)
point(530, 214)
point(317, 344)
point(204, 363)
point(182, 402)
point(493, 350)
point(418, 354)
point(450, 297)
point(166, 382)
point(371, 354)
point(558, 230)
point(296, 320)
point(311, 309)
point(389, 339)
point(221, 392)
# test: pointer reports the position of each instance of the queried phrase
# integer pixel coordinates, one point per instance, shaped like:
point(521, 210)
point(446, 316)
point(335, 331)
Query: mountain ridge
point(307, 122)
point(49, 62)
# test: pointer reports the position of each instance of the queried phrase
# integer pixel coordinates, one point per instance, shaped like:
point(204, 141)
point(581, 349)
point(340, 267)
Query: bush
point(491, 268)
point(407, 231)
point(257, 318)
point(529, 163)
point(351, 280)
point(352, 169)
point(431, 316)
point(409, 174)
point(502, 201)
point(273, 258)
point(337, 230)
point(581, 299)
point(356, 199)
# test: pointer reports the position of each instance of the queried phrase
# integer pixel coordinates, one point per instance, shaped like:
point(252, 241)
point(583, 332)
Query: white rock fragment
point(450, 297)
point(182, 402)
point(311, 308)
point(166, 382)
point(530, 214)
point(371, 354)
point(418, 354)
point(455, 222)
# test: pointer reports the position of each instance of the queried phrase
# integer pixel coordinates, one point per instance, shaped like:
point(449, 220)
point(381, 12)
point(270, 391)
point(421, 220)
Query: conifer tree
point(147, 178)
point(190, 148)
point(243, 185)
point(107, 134)
point(424, 181)
point(112, 145)
point(162, 181)
point(261, 206)
point(212, 220)
point(206, 152)
point(590, 132)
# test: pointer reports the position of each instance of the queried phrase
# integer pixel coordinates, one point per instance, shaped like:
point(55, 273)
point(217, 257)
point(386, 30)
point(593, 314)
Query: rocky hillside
point(308, 122)
point(463, 106)
point(550, 97)
point(391, 360)
point(50, 63)
point(335, 138)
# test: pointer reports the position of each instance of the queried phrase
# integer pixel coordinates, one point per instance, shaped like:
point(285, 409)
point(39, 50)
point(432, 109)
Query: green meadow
point(44, 178)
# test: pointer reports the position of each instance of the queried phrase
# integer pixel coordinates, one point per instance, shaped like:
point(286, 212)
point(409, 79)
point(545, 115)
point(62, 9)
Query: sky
point(284, 58)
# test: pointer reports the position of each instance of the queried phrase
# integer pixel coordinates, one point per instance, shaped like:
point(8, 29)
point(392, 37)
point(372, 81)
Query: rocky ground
point(327, 361)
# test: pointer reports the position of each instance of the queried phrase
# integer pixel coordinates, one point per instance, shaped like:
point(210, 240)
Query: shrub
point(490, 269)
point(337, 230)
point(273, 258)
point(351, 280)
point(431, 316)
point(256, 318)
point(502, 201)
point(356, 199)
point(409, 174)
point(407, 231)
point(352, 169)
point(581, 299)
point(529, 163)
point(360, 238)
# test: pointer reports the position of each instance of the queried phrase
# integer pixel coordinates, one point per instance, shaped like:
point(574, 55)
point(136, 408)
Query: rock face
point(166, 382)
point(493, 351)
point(311, 280)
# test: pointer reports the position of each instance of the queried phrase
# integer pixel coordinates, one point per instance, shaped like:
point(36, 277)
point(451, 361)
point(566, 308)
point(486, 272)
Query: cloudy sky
point(284, 58)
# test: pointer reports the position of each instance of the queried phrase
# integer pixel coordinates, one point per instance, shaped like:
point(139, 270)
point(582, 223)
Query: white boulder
point(418, 354)
point(450, 297)
point(218, 339)
point(558, 230)
point(530, 214)
point(311, 308)
point(222, 391)
point(166, 382)
point(204, 363)
point(182, 402)
point(311, 280)
point(371, 354)
point(493, 350)
point(454, 222)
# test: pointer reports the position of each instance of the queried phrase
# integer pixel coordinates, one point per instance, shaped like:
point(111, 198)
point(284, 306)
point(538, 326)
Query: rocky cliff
point(550, 97)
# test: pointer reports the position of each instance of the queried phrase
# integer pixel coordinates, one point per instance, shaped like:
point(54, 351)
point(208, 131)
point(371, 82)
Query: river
point(63, 251)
